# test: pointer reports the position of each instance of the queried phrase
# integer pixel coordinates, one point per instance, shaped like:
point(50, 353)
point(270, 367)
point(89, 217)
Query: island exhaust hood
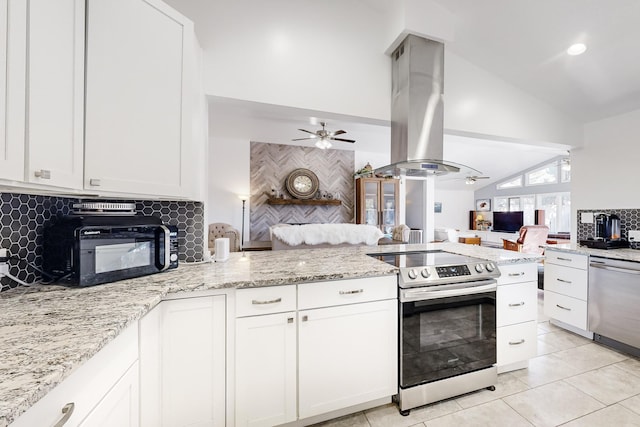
point(417, 111)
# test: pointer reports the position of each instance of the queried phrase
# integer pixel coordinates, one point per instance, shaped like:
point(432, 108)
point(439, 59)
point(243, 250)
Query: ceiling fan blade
point(307, 131)
point(338, 132)
point(302, 139)
point(343, 140)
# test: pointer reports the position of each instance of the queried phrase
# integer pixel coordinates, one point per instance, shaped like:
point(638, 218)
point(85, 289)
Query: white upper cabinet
point(13, 27)
point(138, 119)
point(55, 82)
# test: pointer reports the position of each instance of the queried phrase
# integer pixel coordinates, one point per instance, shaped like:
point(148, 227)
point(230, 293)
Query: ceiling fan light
point(469, 181)
point(323, 144)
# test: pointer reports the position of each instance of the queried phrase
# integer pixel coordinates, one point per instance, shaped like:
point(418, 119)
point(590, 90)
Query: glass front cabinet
point(377, 202)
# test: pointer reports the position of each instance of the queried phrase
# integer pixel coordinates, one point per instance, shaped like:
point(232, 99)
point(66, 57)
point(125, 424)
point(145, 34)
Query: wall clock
point(302, 184)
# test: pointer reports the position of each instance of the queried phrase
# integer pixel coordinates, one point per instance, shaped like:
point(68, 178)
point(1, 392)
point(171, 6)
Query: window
point(565, 170)
point(514, 183)
point(557, 207)
point(545, 175)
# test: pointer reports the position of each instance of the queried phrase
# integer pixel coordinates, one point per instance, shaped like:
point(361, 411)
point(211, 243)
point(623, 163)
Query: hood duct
point(417, 110)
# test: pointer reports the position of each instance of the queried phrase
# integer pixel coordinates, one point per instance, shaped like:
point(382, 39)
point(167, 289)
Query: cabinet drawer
point(566, 309)
point(266, 300)
point(572, 282)
point(516, 273)
point(567, 259)
point(517, 303)
point(517, 343)
point(340, 292)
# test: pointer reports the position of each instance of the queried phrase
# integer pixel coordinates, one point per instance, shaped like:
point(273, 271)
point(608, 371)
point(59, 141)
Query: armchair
point(220, 229)
point(530, 239)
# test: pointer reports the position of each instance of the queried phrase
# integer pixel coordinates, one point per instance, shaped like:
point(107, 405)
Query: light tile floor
point(573, 382)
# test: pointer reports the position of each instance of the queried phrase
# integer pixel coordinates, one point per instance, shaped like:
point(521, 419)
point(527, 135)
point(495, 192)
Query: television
point(509, 222)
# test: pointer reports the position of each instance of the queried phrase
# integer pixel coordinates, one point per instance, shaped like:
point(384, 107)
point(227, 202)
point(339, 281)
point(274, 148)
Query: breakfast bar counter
point(47, 331)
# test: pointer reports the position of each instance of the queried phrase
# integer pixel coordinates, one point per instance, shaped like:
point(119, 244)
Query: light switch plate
point(634, 235)
point(586, 217)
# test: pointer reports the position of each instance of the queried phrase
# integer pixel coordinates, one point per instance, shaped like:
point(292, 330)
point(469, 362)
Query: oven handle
point(427, 294)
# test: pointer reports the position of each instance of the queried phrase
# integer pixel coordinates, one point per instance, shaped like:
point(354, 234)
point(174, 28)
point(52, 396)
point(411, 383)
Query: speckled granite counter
point(620, 254)
point(47, 331)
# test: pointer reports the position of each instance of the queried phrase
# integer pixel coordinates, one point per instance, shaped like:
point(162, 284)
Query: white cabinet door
point(120, 406)
point(135, 123)
point(266, 370)
point(55, 81)
point(13, 36)
point(183, 363)
point(347, 355)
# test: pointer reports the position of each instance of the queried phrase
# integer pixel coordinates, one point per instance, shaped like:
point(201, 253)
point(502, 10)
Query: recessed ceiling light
point(576, 49)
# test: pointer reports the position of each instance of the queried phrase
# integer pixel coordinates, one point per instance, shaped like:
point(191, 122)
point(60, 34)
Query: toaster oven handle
point(167, 249)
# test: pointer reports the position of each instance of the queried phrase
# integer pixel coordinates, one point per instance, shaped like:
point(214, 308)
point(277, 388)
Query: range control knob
point(490, 267)
point(425, 273)
point(412, 274)
point(479, 268)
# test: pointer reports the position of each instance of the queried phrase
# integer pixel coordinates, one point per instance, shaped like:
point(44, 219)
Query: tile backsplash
point(629, 220)
point(24, 216)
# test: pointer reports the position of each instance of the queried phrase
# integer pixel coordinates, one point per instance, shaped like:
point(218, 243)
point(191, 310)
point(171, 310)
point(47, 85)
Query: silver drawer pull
point(290, 320)
point(43, 173)
point(94, 182)
point(67, 410)
point(516, 342)
point(564, 281)
point(564, 259)
point(305, 318)
point(516, 274)
point(518, 304)
point(564, 308)
point(355, 291)
point(273, 301)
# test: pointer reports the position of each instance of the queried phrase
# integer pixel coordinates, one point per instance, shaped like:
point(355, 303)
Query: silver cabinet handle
point(564, 281)
point(516, 274)
point(289, 319)
point(355, 291)
point(305, 318)
point(564, 308)
point(272, 301)
point(516, 342)
point(43, 173)
point(94, 182)
point(516, 304)
point(564, 259)
point(67, 410)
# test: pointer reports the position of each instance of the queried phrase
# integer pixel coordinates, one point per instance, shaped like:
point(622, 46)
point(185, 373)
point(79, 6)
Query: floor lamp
point(244, 199)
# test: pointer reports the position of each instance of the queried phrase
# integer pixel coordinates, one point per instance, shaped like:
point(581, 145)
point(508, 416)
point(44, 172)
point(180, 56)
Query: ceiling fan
point(324, 137)
point(473, 178)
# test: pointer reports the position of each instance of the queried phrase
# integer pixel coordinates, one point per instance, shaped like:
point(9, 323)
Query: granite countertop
point(46, 331)
point(625, 254)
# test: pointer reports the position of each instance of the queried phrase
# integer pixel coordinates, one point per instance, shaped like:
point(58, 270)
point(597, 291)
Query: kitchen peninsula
point(48, 332)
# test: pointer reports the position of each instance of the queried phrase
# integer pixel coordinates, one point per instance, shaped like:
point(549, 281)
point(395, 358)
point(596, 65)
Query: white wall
point(228, 178)
point(477, 102)
point(603, 172)
point(455, 208)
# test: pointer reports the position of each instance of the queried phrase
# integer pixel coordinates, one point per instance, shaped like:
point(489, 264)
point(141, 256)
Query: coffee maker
point(607, 227)
point(606, 233)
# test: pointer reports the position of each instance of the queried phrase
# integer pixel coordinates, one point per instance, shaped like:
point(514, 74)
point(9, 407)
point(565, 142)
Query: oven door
point(446, 331)
point(107, 254)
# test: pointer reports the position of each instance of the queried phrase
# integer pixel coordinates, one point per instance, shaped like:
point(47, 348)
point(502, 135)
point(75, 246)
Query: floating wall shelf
point(316, 202)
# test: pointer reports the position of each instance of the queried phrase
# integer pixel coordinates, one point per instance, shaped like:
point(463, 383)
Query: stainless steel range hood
point(417, 110)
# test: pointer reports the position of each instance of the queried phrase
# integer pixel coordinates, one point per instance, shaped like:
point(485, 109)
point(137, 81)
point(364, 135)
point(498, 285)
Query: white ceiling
point(521, 41)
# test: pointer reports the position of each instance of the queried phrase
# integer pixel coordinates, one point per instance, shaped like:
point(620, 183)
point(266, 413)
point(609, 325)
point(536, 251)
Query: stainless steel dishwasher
point(614, 298)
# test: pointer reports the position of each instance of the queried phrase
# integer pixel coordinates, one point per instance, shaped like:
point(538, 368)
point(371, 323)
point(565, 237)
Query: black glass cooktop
point(423, 258)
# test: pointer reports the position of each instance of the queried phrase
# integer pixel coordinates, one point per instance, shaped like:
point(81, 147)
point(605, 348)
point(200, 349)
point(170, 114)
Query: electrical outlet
point(634, 235)
point(586, 217)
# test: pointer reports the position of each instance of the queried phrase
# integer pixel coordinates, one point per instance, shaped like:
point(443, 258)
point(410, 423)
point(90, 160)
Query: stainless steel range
point(447, 339)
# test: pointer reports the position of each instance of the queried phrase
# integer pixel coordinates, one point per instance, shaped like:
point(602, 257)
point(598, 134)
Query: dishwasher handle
point(603, 266)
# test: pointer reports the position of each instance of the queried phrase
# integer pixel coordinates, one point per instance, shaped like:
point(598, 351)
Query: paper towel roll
point(222, 249)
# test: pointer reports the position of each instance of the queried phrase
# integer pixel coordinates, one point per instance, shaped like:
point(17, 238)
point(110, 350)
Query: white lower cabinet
point(183, 363)
point(338, 350)
point(266, 369)
point(516, 316)
point(347, 355)
point(101, 392)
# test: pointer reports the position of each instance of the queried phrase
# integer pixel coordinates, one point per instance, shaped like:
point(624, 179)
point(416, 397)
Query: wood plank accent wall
point(269, 166)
